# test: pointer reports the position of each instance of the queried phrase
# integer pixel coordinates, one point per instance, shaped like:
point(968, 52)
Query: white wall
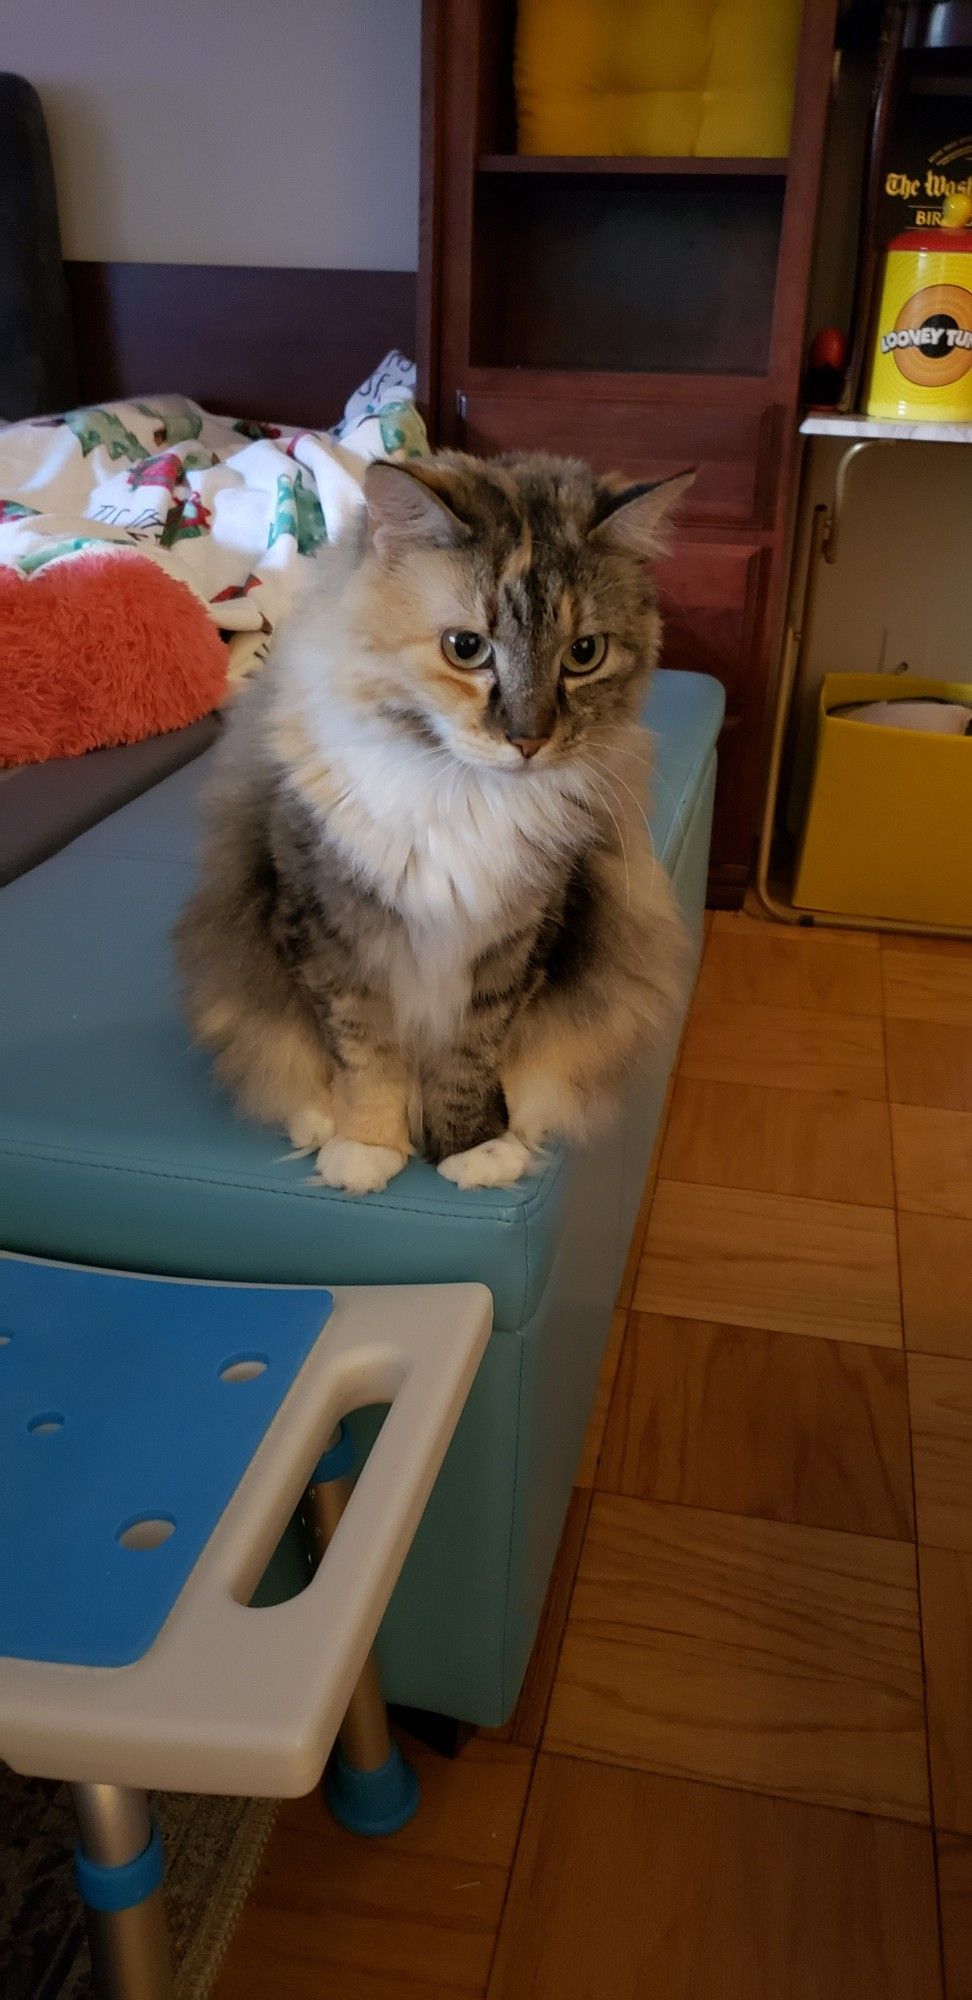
point(228, 131)
point(901, 588)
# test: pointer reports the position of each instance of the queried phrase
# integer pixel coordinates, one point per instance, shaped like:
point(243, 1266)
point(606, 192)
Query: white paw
point(496, 1163)
point(310, 1127)
point(359, 1169)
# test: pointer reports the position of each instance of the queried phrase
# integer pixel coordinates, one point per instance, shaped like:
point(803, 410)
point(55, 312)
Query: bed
point(233, 503)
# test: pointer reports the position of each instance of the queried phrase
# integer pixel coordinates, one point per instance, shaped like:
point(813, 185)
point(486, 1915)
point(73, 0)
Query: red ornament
point(829, 349)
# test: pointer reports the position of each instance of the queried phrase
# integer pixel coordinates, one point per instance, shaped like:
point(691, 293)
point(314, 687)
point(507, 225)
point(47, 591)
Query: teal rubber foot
point(372, 1802)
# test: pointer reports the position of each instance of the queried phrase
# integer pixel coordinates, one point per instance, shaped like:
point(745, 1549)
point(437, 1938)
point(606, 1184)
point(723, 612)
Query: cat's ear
point(403, 506)
point(633, 517)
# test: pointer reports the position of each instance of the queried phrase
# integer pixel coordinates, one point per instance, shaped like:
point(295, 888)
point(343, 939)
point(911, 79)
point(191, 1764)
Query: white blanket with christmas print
point(236, 510)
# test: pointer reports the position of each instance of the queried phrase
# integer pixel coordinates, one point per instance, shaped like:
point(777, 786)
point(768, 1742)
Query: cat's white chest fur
point(456, 853)
point(428, 979)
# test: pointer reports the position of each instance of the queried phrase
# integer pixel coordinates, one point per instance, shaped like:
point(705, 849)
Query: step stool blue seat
point(130, 1409)
point(155, 1438)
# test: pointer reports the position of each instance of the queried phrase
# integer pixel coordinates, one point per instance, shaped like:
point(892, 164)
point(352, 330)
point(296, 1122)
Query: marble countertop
point(832, 423)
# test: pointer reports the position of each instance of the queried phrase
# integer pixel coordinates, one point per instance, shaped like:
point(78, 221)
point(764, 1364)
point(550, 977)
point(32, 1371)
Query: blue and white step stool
point(156, 1434)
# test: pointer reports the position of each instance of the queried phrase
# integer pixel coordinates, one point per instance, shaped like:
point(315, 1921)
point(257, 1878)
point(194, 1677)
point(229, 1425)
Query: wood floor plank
point(946, 1618)
point(936, 1259)
point(637, 1243)
point(929, 1062)
point(749, 962)
point(370, 1920)
point(892, 942)
point(933, 1160)
point(955, 1892)
point(940, 1390)
point(754, 1654)
point(594, 1435)
point(628, 1886)
point(525, 1725)
point(772, 1261)
point(754, 921)
point(790, 1047)
point(794, 1142)
point(925, 980)
point(768, 1424)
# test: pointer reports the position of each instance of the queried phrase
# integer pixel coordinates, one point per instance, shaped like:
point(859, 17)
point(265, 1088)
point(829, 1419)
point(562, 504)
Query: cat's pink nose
point(528, 745)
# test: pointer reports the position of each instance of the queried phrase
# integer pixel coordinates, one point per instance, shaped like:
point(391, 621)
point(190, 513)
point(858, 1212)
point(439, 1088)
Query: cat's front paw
point(497, 1162)
point(357, 1168)
point(310, 1128)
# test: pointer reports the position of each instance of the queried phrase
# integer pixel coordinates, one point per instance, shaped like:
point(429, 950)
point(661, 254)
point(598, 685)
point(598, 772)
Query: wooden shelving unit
point(646, 314)
point(731, 167)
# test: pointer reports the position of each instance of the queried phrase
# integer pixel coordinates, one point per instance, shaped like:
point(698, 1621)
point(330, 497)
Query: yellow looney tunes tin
point(921, 367)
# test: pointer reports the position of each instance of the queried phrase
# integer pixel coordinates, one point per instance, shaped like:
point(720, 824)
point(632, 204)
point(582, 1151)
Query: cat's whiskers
point(605, 807)
point(614, 778)
point(611, 772)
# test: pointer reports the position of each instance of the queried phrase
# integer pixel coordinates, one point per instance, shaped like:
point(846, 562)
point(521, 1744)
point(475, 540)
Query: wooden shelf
point(649, 386)
point(673, 167)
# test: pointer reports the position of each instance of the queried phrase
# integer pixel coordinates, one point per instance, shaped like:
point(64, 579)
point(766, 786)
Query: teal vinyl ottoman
point(117, 1148)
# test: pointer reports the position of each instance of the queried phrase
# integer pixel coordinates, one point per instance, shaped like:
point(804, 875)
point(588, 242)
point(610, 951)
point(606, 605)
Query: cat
point(430, 913)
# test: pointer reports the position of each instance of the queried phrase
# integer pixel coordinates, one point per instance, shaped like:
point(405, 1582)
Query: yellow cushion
point(656, 76)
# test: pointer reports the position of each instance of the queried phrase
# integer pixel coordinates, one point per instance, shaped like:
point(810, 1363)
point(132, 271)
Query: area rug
point(212, 1849)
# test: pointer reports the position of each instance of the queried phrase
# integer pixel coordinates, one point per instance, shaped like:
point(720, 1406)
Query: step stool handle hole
point(243, 1367)
point(46, 1424)
point(5, 1336)
point(146, 1531)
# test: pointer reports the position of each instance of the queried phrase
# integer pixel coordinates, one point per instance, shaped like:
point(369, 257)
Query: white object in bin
point(941, 718)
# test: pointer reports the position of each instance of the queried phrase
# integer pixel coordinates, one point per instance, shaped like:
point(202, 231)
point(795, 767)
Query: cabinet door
point(711, 597)
point(732, 450)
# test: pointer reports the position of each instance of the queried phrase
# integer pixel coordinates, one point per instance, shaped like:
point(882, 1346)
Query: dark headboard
point(37, 370)
point(242, 340)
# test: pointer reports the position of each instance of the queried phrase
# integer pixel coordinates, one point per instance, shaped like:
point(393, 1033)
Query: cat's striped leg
point(548, 1102)
point(560, 1087)
point(370, 1094)
point(462, 1105)
point(464, 1117)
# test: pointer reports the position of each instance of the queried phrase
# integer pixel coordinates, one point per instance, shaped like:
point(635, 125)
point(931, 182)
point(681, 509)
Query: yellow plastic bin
point(889, 827)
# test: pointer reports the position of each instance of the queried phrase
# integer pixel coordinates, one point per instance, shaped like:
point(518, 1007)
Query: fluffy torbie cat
point(430, 915)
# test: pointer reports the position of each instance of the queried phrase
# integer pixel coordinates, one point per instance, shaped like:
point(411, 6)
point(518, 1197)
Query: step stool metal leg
point(118, 1867)
point(368, 1785)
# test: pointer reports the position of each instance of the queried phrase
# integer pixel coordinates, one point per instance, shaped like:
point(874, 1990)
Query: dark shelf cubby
point(657, 274)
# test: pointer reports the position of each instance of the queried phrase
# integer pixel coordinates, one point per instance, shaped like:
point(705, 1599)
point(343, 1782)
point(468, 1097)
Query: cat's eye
point(467, 649)
point(585, 654)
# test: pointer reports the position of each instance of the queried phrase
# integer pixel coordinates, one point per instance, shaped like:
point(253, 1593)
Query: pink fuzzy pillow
point(101, 649)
